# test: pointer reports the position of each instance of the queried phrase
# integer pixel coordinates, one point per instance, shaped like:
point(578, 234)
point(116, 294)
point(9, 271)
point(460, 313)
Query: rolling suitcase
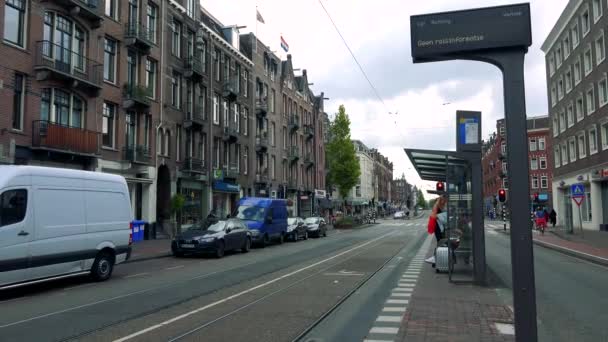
point(441, 259)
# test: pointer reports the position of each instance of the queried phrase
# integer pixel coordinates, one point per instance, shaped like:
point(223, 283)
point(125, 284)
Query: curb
point(156, 256)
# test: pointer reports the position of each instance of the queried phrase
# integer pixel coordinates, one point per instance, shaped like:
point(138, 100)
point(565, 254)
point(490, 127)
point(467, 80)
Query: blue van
point(265, 217)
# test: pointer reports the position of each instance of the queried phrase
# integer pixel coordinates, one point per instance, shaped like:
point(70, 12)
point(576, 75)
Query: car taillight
point(130, 233)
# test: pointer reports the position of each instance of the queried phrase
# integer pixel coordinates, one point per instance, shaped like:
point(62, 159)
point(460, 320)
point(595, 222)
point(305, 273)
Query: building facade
point(382, 179)
point(362, 194)
point(162, 93)
point(402, 193)
point(577, 88)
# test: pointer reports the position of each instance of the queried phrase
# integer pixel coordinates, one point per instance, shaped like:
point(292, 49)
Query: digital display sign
point(439, 35)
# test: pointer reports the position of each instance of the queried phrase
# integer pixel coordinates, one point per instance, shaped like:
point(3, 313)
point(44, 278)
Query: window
point(551, 65)
point(570, 115)
point(600, 49)
point(64, 41)
point(109, 60)
point(586, 208)
point(541, 143)
point(226, 116)
point(503, 147)
point(216, 109)
point(284, 138)
point(586, 25)
point(151, 77)
point(61, 107)
point(544, 182)
point(14, 22)
point(564, 154)
point(568, 77)
point(588, 61)
point(577, 71)
point(597, 10)
point(560, 88)
point(202, 101)
point(562, 121)
point(147, 127)
point(246, 160)
point(226, 62)
point(236, 119)
point(555, 126)
point(532, 144)
point(111, 9)
point(273, 96)
point(216, 153)
point(505, 183)
point(534, 182)
point(603, 91)
point(575, 36)
point(534, 163)
point(108, 124)
point(18, 102)
point(246, 83)
point(604, 133)
point(592, 140)
point(582, 150)
point(178, 142)
point(566, 44)
point(580, 111)
point(590, 100)
point(176, 38)
point(13, 206)
point(572, 149)
point(216, 63)
point(245, 112)
point(273, 166)
point(558, 55)
point(556, 156)
point(543, 163)
point(190, 8)
point(151, 21)
point(176, 85)
point(553, 95)
point(504, 167)
point(237, 151)
point(272, 134)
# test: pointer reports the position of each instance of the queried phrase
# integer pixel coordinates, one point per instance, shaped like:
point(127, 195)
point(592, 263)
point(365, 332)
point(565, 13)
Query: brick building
point(382, 178)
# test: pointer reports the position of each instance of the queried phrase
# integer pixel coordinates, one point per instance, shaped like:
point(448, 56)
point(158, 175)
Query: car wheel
point(219, 253)
point(247, 246)
point(306, 235)
point(103, 266)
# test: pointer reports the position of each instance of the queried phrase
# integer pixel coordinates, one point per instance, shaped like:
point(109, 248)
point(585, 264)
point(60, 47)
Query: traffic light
point(536, 197)
point(440, 187)
point(502, 195)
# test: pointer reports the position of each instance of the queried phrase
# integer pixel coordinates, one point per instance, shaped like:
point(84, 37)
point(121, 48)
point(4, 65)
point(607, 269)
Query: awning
point(432, 165)
point(219, 186)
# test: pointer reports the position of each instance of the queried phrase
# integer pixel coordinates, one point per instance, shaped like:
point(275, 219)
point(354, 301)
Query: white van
point(57, 223)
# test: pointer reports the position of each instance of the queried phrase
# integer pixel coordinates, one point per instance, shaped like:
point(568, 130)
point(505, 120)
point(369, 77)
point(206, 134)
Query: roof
point(433, 165)
point(561, 24)
point(538, 122)
point(9, 171)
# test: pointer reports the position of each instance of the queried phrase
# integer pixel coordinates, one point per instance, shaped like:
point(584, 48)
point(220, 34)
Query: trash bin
point(603, 227)
point(137, 229)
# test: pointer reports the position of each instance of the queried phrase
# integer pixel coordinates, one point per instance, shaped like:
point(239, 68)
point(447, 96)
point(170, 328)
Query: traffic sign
point(577, 190)
point(578, 200)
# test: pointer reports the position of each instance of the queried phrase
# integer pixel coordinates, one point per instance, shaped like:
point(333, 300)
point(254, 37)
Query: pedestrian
point(553, 217)
point(438, 208)
point(546, 214)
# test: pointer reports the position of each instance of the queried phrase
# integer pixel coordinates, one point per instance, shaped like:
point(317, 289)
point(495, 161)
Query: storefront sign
point(320, 193)
point(226, 187)
point(218, 174)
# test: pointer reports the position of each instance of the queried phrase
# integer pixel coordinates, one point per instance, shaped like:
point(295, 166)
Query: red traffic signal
point(440, 186)
point(502, 195)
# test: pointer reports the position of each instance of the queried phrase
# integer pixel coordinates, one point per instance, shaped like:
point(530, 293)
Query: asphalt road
point(272, 294)
point(571, 294)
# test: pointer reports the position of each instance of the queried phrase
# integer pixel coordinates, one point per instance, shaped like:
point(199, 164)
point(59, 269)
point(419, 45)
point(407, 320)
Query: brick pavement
point(150, 249)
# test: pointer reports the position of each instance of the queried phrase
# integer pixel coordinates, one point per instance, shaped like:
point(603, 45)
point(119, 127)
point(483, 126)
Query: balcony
point(91, 10)
point(293, 154)
point(194, 165)
point(309, 161)
point(294, 122)
point(136, 97)
point(261, 107)
point(231, 172)
point(262, 177)
point(136, 154)
point(261, 143)
point(231, 135)
point(229, 90)
point(54, 62)
point(292, 184)
point(309, 131)
point(54, 136)
point(193, 68)
point(139, 36)
point(195, 116)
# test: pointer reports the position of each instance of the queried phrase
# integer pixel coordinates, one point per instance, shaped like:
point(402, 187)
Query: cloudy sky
point(426, 96)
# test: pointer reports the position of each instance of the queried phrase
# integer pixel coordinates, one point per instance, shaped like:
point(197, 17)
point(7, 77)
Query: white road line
point(395, 319)
point(174, 267)
point(136, 275)
point(398, 294)
point(409, 277)
point(203, 308)
point(412, 272)
point(407, 285)
point(366, 340)
point(403, 289)
point(384, 330)
point(394, 309)
point(397, 301)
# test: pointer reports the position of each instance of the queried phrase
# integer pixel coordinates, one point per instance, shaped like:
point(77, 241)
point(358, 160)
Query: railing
point(309, 130)
point(231, 172)
point(261, 140)
point(56, 136)
point(90, 8)
point(195, 65)
point(294, 122)
point(262, 176)
point(292, 184)
point(229, 88)
point(141, 33)
point(230, 131)
point(195, 112)
point(308, 159)
point(137, 154)
point(294, 153)
point(68, 63)
point(261, 106)
point(137, 93)
point(194, 165)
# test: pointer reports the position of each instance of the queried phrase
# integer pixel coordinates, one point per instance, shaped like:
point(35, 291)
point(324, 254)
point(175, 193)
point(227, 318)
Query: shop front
point(225, 198)
point(195, 193)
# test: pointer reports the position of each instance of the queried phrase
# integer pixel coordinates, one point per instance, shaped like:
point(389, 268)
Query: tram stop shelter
point(461, 172)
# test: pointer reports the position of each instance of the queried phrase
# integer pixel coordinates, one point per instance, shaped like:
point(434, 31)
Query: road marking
point(384, 330)
point(412, 272)
point(394, 309)
point(492, 232)
point(174, 267)
point(226, 299)
point(409, 277)
point(403, 289)
point(396, 319)
point(397, 301)
point(366, 340)
point(408, 285)
point(136, 275)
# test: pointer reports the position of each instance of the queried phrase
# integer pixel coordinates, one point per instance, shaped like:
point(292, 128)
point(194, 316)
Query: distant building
point(402, 193)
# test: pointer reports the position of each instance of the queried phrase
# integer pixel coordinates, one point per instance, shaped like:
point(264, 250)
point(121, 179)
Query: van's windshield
point(250, 213)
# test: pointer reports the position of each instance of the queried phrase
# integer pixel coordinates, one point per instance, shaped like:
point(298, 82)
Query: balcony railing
point(294, 153)
point(230, 134)
point(231, 171)
point(194, 115)
point(292, 184)
point(139, 36)
point(194, 165)
point(193, 67)
point(54, 61)
point(229, 90)
point(261, 107)
point(294, 122)
point(309, 131)
point(261, 143)
point(262, 177)
point(54, 136)
point(309, 160)
point(136, 154)
point(88, 9)
point(136, 96)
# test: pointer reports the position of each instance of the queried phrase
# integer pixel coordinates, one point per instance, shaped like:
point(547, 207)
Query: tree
point(420, 201)
point(344, 170)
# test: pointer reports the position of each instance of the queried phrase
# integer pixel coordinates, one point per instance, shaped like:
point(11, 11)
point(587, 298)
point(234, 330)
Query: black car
point(214, 237)
point(316, 226)
point(296, 229)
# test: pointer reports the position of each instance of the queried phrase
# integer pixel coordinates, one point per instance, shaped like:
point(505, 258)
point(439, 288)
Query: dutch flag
point(284, 45)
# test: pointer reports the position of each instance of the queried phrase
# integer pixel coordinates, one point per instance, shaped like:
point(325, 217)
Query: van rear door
point(16, 233)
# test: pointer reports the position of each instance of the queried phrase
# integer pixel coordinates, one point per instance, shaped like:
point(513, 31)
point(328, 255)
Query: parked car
point(316, 226)
point(296, 229)
point(215, 238)
point(266, 218)
point(57, 223)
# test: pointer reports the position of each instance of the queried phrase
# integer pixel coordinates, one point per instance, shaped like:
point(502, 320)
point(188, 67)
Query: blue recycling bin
point(137, 229)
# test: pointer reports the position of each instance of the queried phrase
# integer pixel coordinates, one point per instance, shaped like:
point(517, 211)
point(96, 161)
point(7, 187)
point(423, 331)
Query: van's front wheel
point(103, 266)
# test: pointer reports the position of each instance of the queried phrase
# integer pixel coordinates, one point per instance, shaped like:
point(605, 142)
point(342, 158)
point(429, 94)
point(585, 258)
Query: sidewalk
point(442, 311)
point(150, 249)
